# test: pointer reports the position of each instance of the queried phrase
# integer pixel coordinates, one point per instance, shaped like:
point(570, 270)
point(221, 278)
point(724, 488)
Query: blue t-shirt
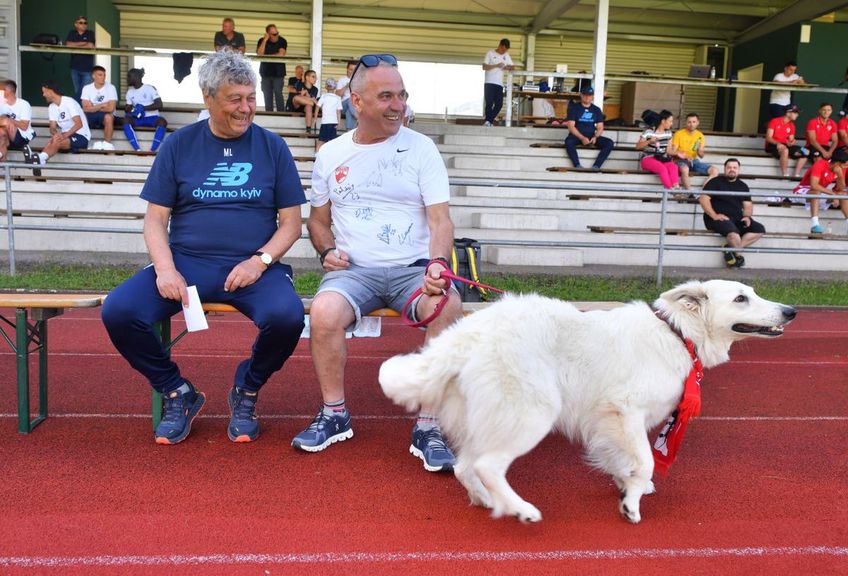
point(585, 118)
point(81, 62)
point(223, 194)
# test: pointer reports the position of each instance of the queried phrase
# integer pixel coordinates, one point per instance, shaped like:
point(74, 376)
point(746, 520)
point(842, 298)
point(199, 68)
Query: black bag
point(46, 38)
point(465, 260)
point(663, 157)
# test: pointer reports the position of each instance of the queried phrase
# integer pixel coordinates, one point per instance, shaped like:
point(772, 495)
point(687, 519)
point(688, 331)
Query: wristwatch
point(266, 258)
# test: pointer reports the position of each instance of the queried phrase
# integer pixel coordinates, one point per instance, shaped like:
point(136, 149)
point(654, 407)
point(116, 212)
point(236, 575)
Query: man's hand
point(336, 260)
point(172, 285)
point(244, 274)
point(747, 221)
point(433, 284)
point(585, 141)
point(720, 217)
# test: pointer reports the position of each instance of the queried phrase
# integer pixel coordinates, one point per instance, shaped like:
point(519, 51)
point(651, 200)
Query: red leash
point(445, 273)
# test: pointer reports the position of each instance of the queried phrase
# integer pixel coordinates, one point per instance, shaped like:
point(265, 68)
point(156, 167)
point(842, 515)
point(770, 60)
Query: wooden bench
point(164, 330)
point(714, 151)
point(39, 308)
point(645, 172)
point(691, 232)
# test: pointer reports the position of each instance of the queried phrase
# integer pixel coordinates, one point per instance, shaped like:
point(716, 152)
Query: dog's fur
point(504, 377)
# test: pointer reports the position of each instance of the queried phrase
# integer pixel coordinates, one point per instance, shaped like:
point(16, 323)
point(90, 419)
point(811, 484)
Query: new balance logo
point(226, 175)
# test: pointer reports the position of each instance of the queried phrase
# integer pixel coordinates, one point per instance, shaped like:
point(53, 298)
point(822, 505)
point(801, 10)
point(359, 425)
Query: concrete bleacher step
point(533, 256)
point(488, 163)
point(474, 140)
point(510, 221)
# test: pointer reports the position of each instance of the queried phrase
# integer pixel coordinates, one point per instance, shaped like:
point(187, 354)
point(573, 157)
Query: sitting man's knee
point(330, 311)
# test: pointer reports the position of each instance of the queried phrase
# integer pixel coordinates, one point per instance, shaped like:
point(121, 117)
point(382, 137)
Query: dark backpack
point(46, 38)
point(650, 117)
point(465, 262)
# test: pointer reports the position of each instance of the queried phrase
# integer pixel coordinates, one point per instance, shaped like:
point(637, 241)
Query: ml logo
point(226, 175)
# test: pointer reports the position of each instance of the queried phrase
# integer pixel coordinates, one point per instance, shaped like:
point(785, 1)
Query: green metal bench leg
point(163, 330)
point(22, 340)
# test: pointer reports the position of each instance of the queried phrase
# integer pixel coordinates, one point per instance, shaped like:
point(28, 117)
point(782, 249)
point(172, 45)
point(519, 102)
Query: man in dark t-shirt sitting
point(585, 123)
point(730, 215)
point(224, 200)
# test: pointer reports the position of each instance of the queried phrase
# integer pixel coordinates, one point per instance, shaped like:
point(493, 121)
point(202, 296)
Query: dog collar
point(670, 438)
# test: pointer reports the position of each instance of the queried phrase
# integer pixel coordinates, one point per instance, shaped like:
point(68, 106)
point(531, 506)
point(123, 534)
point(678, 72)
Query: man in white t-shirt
point(143, 105)
point(343, 90)
point(495, 62)
point(99, 101)
point(68, 124)
point(331, 114)
point(381, 225)
point(780, 99)
point(15, 123)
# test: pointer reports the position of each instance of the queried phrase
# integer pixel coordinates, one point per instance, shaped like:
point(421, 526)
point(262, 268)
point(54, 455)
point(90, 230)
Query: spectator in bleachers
point(585, 123)
point(272, 73)
point(380, 221)
point(227, 38)
point(658, 152)
point(294, 87)
point(780, 142)
point(142, 108)
point(331, 114)
point(824, 177)
point(842, 131)
point(495, 62)
point(68, 124)
point(16, 130)
point(223, 206)
point(202, 115)
point(307, 100)
point(822, 133)
point(781, 99)
point(81, 64)
point(690, 146)
point(730, 216)
point(343, 90)
point(99, 102)
point(408, 114)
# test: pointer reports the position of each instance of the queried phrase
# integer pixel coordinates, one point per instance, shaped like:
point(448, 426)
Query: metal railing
point(661, 246)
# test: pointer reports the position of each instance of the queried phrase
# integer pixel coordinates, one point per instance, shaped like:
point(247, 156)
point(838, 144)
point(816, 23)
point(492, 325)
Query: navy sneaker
point(324, 430)
point(431, 448)
point(244, 425)
point(181, 408)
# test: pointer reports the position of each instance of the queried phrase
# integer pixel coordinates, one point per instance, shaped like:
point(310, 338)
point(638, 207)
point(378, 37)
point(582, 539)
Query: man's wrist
point(324, 253)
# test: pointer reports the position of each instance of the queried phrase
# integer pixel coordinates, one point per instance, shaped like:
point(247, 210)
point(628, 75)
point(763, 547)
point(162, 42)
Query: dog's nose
point(788, 312)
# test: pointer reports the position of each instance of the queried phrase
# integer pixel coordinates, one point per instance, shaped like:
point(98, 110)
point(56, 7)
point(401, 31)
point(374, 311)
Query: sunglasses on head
point(371, 60)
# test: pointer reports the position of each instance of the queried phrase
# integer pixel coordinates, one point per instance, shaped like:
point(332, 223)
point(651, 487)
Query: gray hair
point(357, 83)
point(225, 67)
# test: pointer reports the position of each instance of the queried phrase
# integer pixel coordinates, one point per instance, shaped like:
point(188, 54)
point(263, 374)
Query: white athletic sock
point(814, 220)
point(43, 157)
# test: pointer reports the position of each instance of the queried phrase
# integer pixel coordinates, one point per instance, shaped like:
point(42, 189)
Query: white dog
point(505, 376)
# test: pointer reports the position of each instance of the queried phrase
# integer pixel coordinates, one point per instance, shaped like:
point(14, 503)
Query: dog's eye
point(741, 299)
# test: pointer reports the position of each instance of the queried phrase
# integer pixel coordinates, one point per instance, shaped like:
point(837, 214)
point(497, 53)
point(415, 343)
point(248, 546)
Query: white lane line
point(411, 417)
point(379, 557)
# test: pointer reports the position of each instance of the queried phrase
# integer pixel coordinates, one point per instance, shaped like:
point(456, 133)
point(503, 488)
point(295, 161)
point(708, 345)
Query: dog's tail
point(411, 380)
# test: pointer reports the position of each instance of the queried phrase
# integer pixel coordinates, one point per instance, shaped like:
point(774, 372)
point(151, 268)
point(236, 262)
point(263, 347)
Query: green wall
point(57, 17)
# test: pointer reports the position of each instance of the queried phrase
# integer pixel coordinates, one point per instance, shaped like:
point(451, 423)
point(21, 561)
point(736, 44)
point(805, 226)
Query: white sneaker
point(106, 146)
point(487, 124)
point(97, 146)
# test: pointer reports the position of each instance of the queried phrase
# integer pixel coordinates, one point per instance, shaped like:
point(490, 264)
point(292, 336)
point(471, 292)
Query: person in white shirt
point(99, 101)
point(68, 124)
point(331, 114)
point(780, 100)
point(380, 222)
point(343, 90)
point(495, 62)
point(15, 122)
point(143, 105)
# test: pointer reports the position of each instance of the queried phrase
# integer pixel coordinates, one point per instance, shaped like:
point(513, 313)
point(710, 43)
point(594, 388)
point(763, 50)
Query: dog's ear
point(691, 296)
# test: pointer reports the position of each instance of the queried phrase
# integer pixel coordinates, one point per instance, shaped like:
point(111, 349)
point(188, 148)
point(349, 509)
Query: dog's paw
point(528, 513)
point(650, 488)
point(479, 498)
point(631, 515)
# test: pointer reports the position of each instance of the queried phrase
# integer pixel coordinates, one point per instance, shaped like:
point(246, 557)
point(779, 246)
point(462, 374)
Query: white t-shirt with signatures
point(378, 194)
point(102, 95)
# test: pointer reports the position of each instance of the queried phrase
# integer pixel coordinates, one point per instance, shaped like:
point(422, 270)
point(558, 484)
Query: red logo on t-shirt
point(341, 174)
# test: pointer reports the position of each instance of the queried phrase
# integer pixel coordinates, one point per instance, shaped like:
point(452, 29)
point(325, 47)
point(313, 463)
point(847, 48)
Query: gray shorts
point(368, 289)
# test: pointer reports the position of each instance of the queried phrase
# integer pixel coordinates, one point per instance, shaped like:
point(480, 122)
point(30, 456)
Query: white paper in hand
point(195, 319)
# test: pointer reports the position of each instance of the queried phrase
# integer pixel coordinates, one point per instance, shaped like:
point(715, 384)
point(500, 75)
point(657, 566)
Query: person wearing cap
point(81, 64)
point(330, 104)
point(691, 147)
point(585, 123)
point(818, 180)
point(495, 62)
point(272, 73)
point(822, 133)
point(780, 142)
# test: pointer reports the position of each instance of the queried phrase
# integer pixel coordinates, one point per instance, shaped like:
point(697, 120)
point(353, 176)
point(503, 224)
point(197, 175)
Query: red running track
point(760, 486)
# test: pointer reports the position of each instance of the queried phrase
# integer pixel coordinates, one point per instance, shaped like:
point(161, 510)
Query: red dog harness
point(671, 436)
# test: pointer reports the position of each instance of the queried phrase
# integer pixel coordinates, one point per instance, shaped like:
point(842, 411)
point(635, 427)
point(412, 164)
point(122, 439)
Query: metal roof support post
point(599, 60)
point(530, 52)
point(317, 35)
